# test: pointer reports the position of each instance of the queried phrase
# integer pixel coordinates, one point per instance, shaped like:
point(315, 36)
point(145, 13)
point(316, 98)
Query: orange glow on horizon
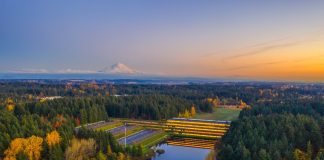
point(302, 62)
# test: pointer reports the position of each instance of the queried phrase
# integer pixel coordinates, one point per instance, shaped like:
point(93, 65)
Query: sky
point(252, 39)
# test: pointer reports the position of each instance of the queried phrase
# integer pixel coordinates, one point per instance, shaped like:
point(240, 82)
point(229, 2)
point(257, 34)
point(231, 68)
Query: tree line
point(285, 129)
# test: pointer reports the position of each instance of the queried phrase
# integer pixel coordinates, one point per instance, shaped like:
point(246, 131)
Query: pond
point(178, 152)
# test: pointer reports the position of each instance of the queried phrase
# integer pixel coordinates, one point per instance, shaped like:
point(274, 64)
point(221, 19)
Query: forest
point(281, 129)
point(285, 121)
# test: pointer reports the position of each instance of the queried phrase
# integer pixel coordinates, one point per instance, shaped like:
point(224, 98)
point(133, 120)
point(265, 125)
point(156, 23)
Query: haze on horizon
point(262, 40)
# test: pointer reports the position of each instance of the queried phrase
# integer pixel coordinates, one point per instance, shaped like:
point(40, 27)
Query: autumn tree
point(80, 149)
point(121, 156)
point(300, 155)
point(16, 146)
point(186, 114)
point(180, 115)
point(31, 147)
point(101, 156)
point(193, 111)
point(10, 105)
point(53, 138)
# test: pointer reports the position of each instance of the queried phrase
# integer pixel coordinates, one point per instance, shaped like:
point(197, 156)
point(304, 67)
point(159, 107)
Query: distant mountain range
point(118, 68)
point(118, 71)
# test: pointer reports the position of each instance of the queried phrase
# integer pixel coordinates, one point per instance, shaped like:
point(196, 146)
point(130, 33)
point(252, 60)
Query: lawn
point(110, 126)
point(152, 140)
point(220, 114)
point(129, 132)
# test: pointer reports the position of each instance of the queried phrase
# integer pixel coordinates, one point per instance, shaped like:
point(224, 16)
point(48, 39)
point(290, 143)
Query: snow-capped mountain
point(120, 68)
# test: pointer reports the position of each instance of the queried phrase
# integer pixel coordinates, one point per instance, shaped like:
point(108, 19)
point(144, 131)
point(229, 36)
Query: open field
point(220, 114)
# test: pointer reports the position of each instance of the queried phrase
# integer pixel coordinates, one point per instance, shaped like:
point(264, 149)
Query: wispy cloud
point(66, 71)
point(45, 71)
point(262, 47)
point(265, 48)
point(30, 70)
point(252, 46)
point(255, 65)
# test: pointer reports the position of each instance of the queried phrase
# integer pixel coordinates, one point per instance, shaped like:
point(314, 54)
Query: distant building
point(50, 98)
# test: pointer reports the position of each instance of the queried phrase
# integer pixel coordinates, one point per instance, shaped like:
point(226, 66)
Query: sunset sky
point(252, 39)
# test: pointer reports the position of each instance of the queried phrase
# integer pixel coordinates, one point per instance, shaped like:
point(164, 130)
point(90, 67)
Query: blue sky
point(174, 37)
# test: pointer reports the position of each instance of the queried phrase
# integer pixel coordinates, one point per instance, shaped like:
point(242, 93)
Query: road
point(137, 137)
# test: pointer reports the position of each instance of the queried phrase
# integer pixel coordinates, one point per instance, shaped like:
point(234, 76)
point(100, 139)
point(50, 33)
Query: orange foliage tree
point(16, 146)
point(53, 138)
point(31, 146)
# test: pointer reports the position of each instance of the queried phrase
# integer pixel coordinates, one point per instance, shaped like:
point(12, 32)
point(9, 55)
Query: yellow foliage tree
point(16, 146)
point(80, 149)
point(31, 146)
point(109, 151)
point(53, 138)
point(180, 115)
point(121, 156)
point(186, 114)
point(10, 105)
point(193, 111)
point(300, 155)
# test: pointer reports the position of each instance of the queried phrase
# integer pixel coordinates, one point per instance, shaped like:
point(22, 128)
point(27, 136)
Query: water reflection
point(184, 149)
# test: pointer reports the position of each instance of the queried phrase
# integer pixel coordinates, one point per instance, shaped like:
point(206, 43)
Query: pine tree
point(140, 150)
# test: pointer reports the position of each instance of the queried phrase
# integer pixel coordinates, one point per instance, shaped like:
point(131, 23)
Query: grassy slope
point(152, 140)
point(220, 114)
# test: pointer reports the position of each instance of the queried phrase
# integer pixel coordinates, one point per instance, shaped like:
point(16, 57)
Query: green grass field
point(129, 132)
point(220, 114)
point(153, 140)
point(110, 126)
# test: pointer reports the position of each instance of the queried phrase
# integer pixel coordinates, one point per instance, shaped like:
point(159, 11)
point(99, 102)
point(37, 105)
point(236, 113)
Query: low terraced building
point(209, 129)
point(198, 128)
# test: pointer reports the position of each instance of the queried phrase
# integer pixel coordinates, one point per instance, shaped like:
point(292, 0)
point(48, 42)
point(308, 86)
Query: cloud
point(76, 71)
point(262, 44)
point(262, 49)
point(255, 65)
point(30, 71)
point(45, 71)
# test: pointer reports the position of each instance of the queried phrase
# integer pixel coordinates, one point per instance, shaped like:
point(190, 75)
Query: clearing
point(225, 114)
